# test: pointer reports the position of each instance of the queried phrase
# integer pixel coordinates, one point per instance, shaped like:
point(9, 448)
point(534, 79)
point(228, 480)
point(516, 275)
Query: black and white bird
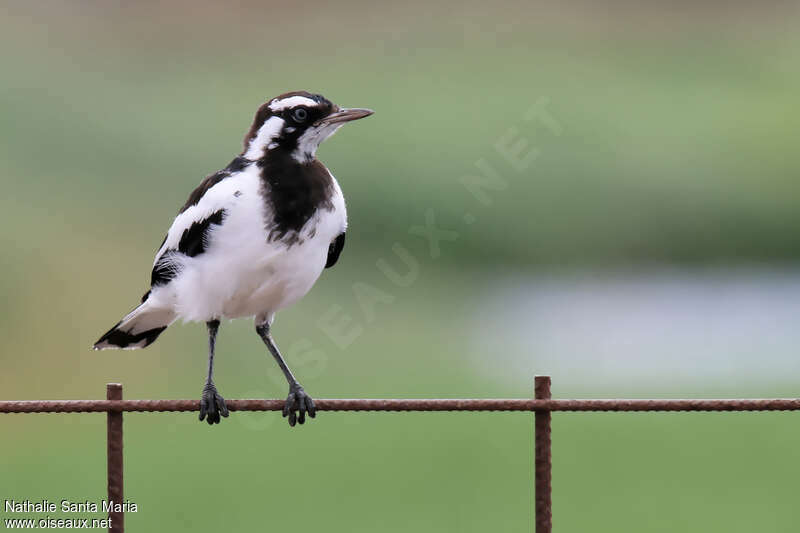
point(250, 240)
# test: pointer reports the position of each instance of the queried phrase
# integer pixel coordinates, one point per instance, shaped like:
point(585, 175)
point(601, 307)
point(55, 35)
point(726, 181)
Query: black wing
point(334, 250)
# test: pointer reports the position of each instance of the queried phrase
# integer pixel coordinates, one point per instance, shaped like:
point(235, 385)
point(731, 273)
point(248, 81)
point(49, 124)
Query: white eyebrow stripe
point(292, 101)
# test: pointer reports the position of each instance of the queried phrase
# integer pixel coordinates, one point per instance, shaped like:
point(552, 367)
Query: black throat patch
point(293, 192)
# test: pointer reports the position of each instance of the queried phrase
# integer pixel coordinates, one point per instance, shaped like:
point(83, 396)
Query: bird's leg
point(211, 403)
point(298, 403)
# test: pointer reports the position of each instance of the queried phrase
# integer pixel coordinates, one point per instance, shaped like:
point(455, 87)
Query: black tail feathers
point(117, 337)
point(138, 329)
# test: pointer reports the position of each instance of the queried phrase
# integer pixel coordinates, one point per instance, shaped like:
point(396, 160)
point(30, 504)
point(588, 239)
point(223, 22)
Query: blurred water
point(649, 331)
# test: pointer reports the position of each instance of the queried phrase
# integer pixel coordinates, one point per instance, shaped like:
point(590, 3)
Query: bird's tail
point(138, 329)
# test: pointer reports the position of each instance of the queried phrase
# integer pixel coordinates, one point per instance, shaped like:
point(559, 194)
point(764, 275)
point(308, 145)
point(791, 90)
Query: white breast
point(241, 273)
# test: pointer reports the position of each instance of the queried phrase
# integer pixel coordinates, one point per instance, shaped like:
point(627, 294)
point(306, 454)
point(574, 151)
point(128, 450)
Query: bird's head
point(296, 123)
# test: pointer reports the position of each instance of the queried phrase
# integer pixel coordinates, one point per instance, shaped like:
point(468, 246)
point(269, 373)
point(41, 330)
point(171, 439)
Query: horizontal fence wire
point(542, 406)
point(96, 406)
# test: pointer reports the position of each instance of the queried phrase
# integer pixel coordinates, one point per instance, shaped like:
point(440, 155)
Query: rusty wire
point(542, 405)
point(529, 405)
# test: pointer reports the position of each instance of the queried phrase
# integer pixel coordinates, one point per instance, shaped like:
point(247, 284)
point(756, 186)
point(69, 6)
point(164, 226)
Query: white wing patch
point(223, 195)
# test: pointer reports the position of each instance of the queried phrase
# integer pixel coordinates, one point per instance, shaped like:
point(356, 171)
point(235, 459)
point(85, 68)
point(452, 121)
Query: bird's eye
point(300, 114)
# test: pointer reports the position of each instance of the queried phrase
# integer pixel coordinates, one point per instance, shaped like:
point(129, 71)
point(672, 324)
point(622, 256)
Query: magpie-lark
point(250, 240)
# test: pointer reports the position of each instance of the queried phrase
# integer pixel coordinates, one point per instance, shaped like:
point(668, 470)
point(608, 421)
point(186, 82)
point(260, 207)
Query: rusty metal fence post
point(114, 447)
point(543, 458)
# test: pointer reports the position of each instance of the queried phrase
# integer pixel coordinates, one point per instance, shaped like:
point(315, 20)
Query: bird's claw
point(298, 403)
point(212, 405)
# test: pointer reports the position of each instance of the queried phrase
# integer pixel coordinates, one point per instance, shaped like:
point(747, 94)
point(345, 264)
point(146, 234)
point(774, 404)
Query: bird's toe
point(212, 406)
point(298, 403)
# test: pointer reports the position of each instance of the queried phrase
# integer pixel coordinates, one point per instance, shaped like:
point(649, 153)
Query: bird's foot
point(212, 405)
point(298, 403)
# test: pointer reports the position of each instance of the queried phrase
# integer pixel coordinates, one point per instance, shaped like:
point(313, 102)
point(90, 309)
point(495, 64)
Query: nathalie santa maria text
point(67, 506)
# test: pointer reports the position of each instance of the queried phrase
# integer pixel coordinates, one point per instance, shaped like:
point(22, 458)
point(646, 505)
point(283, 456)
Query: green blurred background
point(649, 248)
